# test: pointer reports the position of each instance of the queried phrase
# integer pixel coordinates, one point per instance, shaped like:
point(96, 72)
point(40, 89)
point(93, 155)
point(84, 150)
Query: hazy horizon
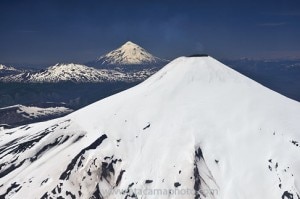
point(48, 32)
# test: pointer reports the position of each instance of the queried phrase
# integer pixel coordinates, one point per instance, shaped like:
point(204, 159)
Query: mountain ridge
point(77, 73)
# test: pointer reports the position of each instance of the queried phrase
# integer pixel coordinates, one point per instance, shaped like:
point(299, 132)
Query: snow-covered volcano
point(195, 129)
point(129, 54)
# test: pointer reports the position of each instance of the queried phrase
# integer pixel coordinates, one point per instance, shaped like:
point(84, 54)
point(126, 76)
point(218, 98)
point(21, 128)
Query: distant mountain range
point(129, 63)
point(69, 72)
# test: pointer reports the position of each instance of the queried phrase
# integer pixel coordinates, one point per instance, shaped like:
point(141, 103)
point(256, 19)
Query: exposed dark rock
point(68, 193)
point(107, 157)
point(44, 181)
point(120, 177)
point(270, 168)
point(148, 126)
point(199, 153)
point(45, 196)
point(78, 138)
point(287, 195)
point(13, 186)
point(295, 143)
point(10, 169)
point(107, 168)
point(197, 183)
point(97, 194)
point(133, 195)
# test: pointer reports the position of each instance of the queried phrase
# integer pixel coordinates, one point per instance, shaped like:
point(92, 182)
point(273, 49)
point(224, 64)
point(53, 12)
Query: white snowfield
point(129, 54)
point(195, 129)
point(35, 112)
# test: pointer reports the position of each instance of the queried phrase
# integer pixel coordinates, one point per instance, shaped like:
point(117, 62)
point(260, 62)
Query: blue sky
point(50, 31)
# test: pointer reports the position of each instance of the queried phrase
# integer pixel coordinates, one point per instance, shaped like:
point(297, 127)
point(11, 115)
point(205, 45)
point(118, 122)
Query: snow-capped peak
point(62, 67)
point(8, 68)
point(128, 54)
point(72, 72)
point(130, 43)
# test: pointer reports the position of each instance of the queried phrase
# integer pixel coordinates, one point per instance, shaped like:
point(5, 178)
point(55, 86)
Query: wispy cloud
point(275, 24)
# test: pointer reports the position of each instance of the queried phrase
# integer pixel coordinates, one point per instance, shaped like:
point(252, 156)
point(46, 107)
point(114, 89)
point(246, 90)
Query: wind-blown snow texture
point(195, 125)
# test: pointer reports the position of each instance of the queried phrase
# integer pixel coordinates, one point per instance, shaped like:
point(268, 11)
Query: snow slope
point(195, 129)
